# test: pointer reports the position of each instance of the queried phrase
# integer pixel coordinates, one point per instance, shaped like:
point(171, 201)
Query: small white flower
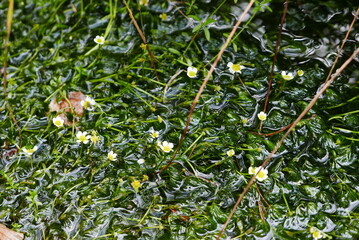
point(99, 40)
point(300, 72)
point(58, 121)
point(287, 76)
point(262, 173)
point(82, 137)
point(192, 72)
point(88, 103)
point(154, 134)
point(262, 116)
point(233, 68)
point(141, 161)
point(30, 151)
point(144, 2)
point(112, 156)
point(316, 233)
point(230, 153)
point(165, 146)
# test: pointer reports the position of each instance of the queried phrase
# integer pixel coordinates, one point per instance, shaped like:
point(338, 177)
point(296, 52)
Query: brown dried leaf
point(8, 234)
point(72, 105)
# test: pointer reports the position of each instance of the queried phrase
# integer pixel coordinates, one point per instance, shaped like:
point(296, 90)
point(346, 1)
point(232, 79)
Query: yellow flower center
point(262, 116)
point(163, 16)
point(30, 150)
point(86, 104)
point(317, 234)
point(167, 148)
point(144, 2)
point(82, 138)
point(99, 40)
point(192, 73)
point(230, 153)
point(143, 46)
point(261, 174)
point(236, 67)
point(154, 134)
point(287, 77)
point(58, 122)
point(95, 139)
point(136, 184)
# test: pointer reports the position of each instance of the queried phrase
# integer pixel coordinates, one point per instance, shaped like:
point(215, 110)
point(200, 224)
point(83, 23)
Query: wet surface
point(70, 190)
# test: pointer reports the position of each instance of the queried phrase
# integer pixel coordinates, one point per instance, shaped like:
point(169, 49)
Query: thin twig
point(152, 57)
point(305, 111)
point(274, 61)
point(194, 103)
point(244, 86)
point(6, 50)
point(260, 194)
point(341, 47)
point(170, 81)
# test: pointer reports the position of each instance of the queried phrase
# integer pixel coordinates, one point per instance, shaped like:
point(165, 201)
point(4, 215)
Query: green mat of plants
point(99, 170)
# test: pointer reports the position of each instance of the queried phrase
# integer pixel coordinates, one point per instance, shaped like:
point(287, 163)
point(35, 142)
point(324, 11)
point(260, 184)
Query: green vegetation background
point(66, 190)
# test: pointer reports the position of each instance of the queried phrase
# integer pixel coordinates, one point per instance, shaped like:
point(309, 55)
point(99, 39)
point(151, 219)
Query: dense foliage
point(71, 190)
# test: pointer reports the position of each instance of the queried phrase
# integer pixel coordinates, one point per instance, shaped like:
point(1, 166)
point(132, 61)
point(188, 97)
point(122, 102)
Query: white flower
point(192, 72)
point(287, 76)
point(58, 121)
point(230, 153)
point(262, 116)
point(233, 68)
point(112, 156)
point(300, 72)
point(82, 137)
point(141, 161)
point(88, 103)
point(144, 2)
point(316, 233)
point(262, 173)
point(154, 134)
point(30, 151)
point(99, 40)
point(165, 146)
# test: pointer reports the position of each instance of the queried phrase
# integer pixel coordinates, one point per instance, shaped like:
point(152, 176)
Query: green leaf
point(174, 51)
point(194, 17)
point(207, 34)
point(235, 48)
point(209, 21)
point(197, 28)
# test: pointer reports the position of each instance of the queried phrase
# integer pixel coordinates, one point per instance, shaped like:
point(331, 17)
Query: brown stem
point(274, 60)
point(152, 57)
point(6, 50)
point(341, 47)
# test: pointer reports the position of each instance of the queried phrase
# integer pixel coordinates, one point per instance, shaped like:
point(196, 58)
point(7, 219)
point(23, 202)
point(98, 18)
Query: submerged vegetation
point(96, 98)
